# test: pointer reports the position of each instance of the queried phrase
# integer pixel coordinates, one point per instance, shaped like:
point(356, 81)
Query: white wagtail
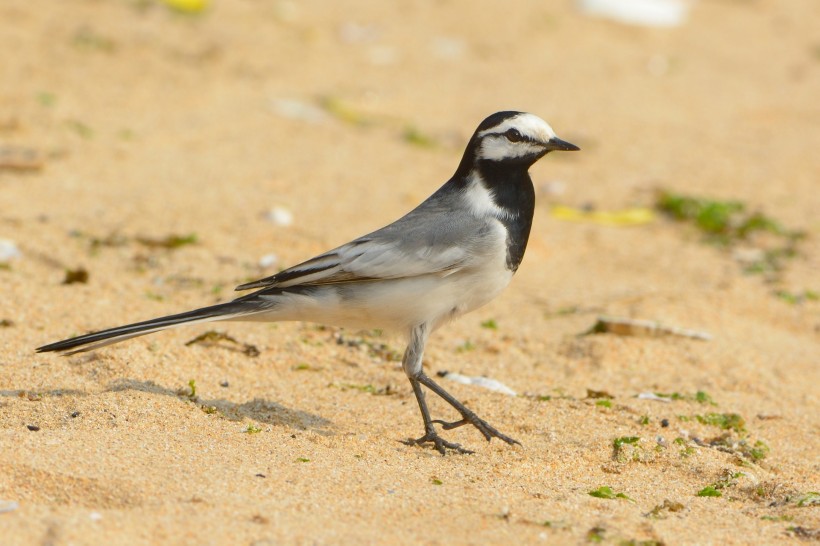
point(452, 254)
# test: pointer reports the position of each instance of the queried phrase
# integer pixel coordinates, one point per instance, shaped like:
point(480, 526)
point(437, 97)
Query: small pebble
point(650, 13)
point(33, 428)
point(355, 33)
point(224, 384)
point(653, 396)
point(73, 276)
point(448, 48)
point(8, 251)
point(8, 506)
point(75, 414)
point(268, 260)
point(382, 55)
point(664, 423)
point(280, 216)
point(298, 110)
point(552, 188)
point(485, 382)
point(748, 255)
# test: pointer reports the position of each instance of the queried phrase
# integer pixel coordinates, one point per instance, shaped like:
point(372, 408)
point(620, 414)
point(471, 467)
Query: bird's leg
point(413, 368)
point(467, 415)
point(430, 434)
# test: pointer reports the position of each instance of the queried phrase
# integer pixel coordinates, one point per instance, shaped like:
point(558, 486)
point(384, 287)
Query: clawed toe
point(487, 430)
point(468, 417)
point(491, 432)
point(441, 445)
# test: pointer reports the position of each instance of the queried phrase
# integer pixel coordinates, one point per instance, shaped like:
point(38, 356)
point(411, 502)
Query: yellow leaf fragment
point(187, 6)
point(625, 217)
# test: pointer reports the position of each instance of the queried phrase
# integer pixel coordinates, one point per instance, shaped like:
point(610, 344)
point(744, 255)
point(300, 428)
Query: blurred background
point(711, 96)
point(156, 153)
point(337, 117)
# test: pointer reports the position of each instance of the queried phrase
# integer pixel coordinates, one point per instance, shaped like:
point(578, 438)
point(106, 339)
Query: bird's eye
point(513, 135)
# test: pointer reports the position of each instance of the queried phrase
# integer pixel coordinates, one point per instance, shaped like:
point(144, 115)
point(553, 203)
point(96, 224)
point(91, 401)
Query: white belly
point(396, 305)
point(401, 304)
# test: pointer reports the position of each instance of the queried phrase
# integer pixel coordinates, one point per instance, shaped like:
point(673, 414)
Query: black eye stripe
point(513, 135)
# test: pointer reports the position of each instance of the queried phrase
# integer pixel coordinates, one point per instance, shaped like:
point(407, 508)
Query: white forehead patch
point(495, 146)
point(527, 124)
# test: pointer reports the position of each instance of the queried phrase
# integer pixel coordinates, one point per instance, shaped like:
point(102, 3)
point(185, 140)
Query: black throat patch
point(512, 190)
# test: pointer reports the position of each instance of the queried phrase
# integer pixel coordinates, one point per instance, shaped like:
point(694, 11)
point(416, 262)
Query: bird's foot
point(441, 445)
point(470, 418)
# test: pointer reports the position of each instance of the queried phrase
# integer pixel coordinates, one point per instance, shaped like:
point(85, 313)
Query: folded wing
point(417, 244)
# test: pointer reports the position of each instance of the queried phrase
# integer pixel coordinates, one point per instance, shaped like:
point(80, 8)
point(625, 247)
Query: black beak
point(556, 143)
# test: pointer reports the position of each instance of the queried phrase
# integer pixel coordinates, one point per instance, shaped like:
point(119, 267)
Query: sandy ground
point(150, 123)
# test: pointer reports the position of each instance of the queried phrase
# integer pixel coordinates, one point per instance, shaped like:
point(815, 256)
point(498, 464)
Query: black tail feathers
point(87, 342)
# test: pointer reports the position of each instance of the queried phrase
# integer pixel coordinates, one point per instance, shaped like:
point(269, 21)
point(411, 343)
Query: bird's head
point(512, 138)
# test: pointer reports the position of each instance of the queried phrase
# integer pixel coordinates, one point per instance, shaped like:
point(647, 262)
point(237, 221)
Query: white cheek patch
point(496, 148)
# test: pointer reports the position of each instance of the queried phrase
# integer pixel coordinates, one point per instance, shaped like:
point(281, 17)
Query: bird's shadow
point(35, 394)
point(259, 410)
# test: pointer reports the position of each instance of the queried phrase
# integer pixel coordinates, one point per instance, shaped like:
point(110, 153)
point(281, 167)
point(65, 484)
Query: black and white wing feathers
point(427, 241)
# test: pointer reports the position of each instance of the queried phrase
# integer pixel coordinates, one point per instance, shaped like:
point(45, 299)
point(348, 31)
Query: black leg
point(412, 367)
point(430, 434)
point(468, 416)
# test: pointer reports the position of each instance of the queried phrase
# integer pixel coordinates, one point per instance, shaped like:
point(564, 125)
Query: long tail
point(222, 311)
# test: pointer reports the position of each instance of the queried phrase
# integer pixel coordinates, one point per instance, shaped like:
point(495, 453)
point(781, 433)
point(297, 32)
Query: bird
point(453, 253)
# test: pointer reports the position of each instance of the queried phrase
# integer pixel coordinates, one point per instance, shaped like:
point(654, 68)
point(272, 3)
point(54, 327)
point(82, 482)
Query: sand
point(147, 123)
